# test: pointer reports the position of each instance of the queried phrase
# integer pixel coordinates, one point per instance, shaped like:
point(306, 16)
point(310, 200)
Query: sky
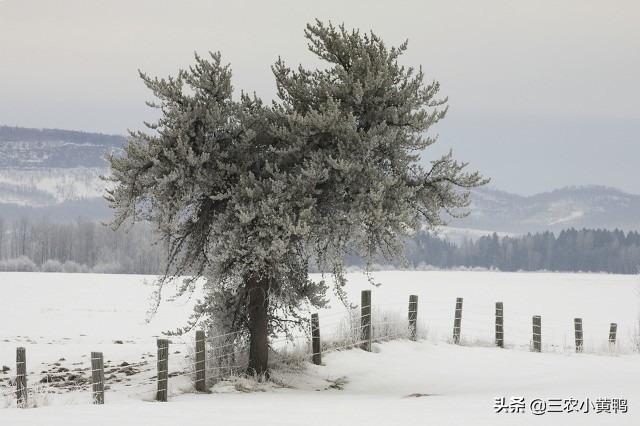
point(542, 94)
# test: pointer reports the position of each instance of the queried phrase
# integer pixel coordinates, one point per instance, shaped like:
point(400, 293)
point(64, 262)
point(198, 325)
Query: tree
point(2, 238)
point(249, 195)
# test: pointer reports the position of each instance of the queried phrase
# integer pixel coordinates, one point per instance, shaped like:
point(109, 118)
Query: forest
point(584, 250)
point(81, 246)
point(89, 246)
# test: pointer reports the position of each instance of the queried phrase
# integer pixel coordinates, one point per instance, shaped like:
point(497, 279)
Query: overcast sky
point(542, 94)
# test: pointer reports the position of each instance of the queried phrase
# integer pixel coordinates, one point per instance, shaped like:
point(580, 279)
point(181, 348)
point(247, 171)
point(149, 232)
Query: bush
point(108, 268)
point(73, 267)
point(51, 265)
point(19, 264)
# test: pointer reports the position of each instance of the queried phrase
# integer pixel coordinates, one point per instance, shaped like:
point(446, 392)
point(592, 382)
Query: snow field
point(66, 316)
point(598, 299)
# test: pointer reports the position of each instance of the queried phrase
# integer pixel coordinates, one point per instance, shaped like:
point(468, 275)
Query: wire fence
point(226, 355)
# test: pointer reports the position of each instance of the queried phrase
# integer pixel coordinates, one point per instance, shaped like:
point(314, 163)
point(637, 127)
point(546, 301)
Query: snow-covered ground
point(61, 318)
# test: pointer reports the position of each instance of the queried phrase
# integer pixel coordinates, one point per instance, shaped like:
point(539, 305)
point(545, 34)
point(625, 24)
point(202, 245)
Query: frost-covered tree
point(248, 195)
point(2, 238)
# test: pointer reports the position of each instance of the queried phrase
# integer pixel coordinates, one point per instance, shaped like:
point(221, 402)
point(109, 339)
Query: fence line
point(357, 328)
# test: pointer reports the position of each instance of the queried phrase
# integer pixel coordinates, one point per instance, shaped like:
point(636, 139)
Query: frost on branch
point(250, 195)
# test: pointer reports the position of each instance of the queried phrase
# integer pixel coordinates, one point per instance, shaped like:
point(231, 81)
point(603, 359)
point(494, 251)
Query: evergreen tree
point(248, 195)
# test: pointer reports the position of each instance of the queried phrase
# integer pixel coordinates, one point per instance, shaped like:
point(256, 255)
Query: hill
point(595, 207)
point(55, 173)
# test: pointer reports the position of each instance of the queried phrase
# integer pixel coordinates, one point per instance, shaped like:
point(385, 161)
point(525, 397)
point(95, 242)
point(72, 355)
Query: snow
point(47, 186)
point(400, 382)
point(570, 217)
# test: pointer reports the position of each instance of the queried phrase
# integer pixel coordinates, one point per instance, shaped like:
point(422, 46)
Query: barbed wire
point(555, 333)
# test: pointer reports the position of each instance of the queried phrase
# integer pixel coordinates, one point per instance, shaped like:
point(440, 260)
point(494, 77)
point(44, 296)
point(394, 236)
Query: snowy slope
point(46, 186)
point(579, 207)
point(47, 167)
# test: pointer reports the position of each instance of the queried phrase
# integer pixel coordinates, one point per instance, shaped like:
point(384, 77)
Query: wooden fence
point(364, 341)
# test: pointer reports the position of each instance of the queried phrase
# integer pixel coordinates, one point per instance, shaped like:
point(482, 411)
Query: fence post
point(21, 376)
point(163, 369)
point(201, 368)
point(537, 333)
point(612, 333)
point(365, 319)
point(457, 322)
point(579, 341)
point(499, 325)
point(315, 339)
point(97, 377)
point(413, 316)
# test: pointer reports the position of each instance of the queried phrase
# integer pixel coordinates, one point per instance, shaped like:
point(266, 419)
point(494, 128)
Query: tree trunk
point(258, 325)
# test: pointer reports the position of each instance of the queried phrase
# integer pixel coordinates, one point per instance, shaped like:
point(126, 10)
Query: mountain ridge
point(24, 148)
point(589, 206)
point(57, 172)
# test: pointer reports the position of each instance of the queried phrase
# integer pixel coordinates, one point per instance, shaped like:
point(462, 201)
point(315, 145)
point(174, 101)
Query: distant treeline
point(86, 246)
point(585, 250)
point(22, 134)
point(83, 246)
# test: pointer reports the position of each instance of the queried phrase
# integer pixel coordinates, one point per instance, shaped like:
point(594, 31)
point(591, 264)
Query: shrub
point(72, 267)
point(51, 265)
point(108, 268)
point(19, 264)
